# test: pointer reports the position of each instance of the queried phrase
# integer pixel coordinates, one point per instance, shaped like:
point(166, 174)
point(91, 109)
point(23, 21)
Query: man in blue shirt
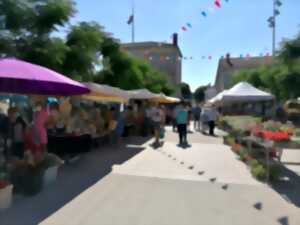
point(182, 120)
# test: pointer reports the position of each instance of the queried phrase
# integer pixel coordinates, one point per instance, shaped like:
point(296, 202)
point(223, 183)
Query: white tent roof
point(244, 91)
point(218, 97)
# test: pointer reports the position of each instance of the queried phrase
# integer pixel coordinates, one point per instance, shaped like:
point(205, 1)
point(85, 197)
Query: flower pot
point(6, 197)
point(50, 175)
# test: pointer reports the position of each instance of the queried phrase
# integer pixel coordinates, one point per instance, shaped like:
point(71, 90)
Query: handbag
point(162, 133)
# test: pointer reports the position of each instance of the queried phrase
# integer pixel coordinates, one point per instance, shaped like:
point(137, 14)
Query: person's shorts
point(156, 125)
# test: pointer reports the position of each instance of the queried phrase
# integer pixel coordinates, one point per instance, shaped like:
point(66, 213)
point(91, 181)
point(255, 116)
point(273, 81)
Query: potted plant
point(5, 192)
point(51, 164)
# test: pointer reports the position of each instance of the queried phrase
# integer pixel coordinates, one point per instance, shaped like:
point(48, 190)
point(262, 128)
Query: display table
point(69, 144)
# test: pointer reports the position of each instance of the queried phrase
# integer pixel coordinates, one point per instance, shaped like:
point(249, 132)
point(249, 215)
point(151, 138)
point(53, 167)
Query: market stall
point(26, 164)
point(105, 93)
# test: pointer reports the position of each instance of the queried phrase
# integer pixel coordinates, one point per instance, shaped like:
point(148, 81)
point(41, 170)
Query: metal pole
point(133, 23)
point(274, 29)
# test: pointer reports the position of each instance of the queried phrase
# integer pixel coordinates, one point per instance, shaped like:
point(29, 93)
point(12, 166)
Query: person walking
point(157, 120)
point(182, 121)
point(196, 114)
point(212, 117)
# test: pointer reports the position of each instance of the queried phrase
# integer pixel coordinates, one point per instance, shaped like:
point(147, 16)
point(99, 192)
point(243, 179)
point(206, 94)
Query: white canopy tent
point(217, 98)
point(242, 92)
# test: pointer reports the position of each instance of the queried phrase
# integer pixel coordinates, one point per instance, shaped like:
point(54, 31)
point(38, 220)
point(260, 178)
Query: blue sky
point(239, 27)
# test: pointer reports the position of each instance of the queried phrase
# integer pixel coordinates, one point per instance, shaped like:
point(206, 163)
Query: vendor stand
point(21, 77)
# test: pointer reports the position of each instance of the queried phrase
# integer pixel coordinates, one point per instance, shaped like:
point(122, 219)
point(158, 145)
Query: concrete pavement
point(136, 185)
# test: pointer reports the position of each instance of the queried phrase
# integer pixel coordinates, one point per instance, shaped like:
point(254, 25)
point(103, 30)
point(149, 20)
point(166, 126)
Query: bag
point(112, 125)
point(162, 133)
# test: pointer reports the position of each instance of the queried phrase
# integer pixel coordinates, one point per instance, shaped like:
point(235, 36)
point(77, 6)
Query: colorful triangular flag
point(189, 25)
point(204, 13)
point(218, 3)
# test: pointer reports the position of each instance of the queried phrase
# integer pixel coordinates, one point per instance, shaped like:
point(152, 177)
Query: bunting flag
point(218, 3)
point(210, 57)
point(204, 13)
point(183, 28)
point(189, 25)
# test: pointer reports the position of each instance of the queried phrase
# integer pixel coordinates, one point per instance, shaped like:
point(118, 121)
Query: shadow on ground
point(289, 186)
point(72, 180)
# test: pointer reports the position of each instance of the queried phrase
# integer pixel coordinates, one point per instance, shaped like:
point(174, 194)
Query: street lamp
point(272, 22)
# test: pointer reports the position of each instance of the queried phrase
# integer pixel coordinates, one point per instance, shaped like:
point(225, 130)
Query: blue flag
point(204, 14)
point(189, 25)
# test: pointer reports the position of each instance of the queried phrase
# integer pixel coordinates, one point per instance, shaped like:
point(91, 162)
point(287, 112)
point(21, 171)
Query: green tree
point(185, 90)
point(199, 94)
point(290, 53)
point(86, 54)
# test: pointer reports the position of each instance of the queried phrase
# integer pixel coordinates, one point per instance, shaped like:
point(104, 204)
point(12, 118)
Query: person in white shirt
point(212, 117)
point(157, 119)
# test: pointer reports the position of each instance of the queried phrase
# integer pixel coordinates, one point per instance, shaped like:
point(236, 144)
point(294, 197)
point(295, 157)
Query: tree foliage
point(199, 94)
point(282, 78)
point(85, 54)
point(185, 90)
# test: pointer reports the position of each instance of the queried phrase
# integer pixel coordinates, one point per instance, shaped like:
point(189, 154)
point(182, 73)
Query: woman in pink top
point(40, 117)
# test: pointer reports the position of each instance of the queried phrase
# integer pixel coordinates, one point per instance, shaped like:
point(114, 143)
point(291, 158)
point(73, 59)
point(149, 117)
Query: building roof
point(151, 44)
point(226, 71)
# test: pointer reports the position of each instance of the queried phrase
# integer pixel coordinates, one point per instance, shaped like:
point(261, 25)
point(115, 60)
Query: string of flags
point(164, 57)
point(217, 4)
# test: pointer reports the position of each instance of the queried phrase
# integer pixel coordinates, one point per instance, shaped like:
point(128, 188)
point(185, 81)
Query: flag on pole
point(130, 20)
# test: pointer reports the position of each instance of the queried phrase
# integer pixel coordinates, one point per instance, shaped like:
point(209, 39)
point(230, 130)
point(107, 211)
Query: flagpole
point(133, 23)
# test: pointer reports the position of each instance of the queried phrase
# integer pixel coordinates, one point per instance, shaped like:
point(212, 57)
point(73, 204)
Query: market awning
point(165, 99)
point(106, 93)
point(141, 94)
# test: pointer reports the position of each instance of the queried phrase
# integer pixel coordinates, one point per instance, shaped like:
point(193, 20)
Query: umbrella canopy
point(21, 77)
point(99, 92)
point(142, 94)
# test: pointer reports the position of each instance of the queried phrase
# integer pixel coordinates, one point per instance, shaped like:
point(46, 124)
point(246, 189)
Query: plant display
point(259, 171)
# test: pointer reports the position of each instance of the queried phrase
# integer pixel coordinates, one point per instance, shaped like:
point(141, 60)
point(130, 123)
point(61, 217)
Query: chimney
point(175, 39)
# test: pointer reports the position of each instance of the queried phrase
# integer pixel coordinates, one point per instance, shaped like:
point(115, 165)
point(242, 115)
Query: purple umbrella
point(21, 77)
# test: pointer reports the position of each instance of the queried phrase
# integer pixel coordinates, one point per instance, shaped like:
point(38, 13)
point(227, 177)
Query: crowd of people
point(28, 129)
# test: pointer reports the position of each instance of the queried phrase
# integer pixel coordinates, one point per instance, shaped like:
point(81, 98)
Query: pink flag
point(183, 28)
point(218, 3)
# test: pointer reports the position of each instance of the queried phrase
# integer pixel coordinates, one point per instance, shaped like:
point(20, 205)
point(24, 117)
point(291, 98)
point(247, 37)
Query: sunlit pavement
point(203, 184)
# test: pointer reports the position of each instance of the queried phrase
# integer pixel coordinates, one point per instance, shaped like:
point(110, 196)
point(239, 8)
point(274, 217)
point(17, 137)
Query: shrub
point(259, 172)
point(236, 147)
point(253, 163)
point(229, 140)
point(275, 172)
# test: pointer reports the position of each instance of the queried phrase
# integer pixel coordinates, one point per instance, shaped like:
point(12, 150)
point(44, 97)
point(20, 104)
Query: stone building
point(165, 57)
point(229, 66)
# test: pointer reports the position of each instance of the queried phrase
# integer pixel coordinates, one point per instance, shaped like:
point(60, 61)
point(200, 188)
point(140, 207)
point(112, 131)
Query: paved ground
point(204, 184)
